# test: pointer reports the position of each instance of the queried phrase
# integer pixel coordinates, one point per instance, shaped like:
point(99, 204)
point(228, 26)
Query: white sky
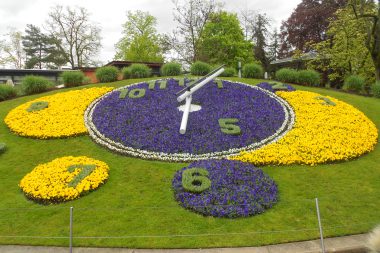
point(111, 14)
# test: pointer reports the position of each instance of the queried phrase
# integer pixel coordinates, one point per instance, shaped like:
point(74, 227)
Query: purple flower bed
point(237, 190)
point(269, 87)
point(152, 122)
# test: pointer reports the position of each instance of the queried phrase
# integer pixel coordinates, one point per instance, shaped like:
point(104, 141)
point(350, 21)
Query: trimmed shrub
point(171, 69)
point(7, 92)
point(354, 83)
point(228, 72)
point(376, 89)
point(287, 75)
point(309, 77)
point(139, 70)
point(35, 84)
point(126, 73)
point(86, 80)
point(253, 70)
point(72, 78)
point(199, 68)
point(107, 74)
point(3, 147)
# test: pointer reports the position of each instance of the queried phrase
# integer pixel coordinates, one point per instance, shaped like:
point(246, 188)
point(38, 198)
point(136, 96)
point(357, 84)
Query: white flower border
point(186, 157)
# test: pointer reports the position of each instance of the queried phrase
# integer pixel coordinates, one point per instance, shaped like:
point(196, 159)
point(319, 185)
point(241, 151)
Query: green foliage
point(228, 72)
point(287, 75)
point(136, 93)
point(85, 170)
point(346, 53)
point(126, 73)
point(35, 84)
point(140, 41)
point(376, 89)
point(354, 83)
point(171, 69)
point(309, 77)
point(222, 41)
point(326, 100)
point(72, 78)
point(107, 74)
point(253, 70)
point(140, 70)
point(7, 92)
point(38, 106)
point(3, 147)
point(195, 180)
point(199, 68)
point(86, 80)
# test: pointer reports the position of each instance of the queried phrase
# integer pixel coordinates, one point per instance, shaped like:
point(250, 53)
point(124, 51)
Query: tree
point(222, 41)
point(140, 41)
point(370, 15)
point(191, 17)
point(11, 51)
point(79, 38)
point(274, 46)
point(345, 52)
point(40, 49)
point(308, 23)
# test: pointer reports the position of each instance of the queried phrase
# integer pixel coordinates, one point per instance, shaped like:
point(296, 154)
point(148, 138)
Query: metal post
point(239, 67)
point(320, 225)
point(71, 228)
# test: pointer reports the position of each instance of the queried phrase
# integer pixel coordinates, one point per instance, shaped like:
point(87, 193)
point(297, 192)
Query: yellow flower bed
point(64, 179)
point(62, 117)
point(322, 133)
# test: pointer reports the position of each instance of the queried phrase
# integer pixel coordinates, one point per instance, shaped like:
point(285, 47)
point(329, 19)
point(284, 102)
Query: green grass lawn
point(136, 207)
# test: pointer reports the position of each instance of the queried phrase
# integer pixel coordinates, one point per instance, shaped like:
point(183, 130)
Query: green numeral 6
point(227, 126)
point(86, 169)
point(195, 180)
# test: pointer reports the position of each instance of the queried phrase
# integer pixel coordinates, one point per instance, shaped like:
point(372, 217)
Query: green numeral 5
point(86, 169)
point(227, 126)
point(195, 180)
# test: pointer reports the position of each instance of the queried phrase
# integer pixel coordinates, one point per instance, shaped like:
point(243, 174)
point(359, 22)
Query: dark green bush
point(35, 84)
point(3, 147)
point(376, 89)
point(7, 92)
point(171, 69)
point(139, 70)
point(199, 68)
point(253, 70)
point(107, 74)
point(86, 80)
point(126, 73)
point(287, 75)
point(228, 72)
point(354, 83)
point(72, 78)
point(309, 77)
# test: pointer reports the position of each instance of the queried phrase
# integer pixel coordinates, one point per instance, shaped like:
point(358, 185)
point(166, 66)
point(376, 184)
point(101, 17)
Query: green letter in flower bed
point(137, 93)
point(86, 169)
point(227, 126)
point(195, 180)
point(37, 106)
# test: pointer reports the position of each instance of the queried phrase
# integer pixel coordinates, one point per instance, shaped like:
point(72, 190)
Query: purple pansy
point(237, 190)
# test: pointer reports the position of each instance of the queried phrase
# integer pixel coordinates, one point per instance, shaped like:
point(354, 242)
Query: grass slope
point(137, 201)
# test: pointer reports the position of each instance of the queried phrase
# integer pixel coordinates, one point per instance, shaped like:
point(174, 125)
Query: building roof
point(306, 56)
point(127, 63)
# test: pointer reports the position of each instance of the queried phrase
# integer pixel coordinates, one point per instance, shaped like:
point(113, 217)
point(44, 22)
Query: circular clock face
point(225, 118)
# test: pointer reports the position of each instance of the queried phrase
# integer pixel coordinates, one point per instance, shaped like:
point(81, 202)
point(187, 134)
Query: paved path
point(346, 244)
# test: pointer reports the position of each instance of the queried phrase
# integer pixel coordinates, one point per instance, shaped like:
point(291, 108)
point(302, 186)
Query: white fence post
point(71, 228)
point(320, 225)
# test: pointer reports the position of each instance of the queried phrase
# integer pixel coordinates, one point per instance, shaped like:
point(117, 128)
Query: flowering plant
point(64, 179)
point(58, 115)
point(237, 189)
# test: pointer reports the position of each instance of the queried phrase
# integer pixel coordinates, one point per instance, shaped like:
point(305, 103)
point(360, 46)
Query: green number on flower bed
point(137, 93)
point(123, 93)
point(181, 81)
point(152, 84)
point(163, 84)
point(227, 126)
point(327, 101)
point(219, 83)
point(195, 180)
point(37, 106)
point(86, 169)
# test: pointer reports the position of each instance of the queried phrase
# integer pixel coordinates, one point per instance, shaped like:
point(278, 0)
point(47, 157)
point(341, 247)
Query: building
point(16, 75)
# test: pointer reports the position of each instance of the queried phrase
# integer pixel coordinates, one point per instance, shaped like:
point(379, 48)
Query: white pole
point(320, 225)
point(199, 85)
point(71, 228)
point(239, 67)
point(185, 116)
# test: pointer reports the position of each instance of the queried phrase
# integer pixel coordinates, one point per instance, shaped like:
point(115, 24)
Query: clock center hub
point(193, 108)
